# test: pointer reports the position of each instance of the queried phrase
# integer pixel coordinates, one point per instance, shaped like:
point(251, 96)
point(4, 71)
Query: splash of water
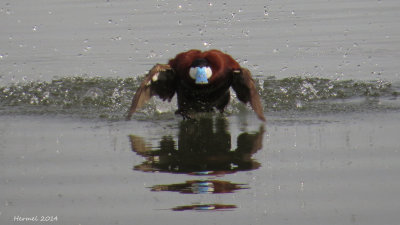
point(95, 97)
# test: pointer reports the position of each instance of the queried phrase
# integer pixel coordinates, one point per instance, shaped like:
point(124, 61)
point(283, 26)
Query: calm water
point(340, 169)
point(328, 77)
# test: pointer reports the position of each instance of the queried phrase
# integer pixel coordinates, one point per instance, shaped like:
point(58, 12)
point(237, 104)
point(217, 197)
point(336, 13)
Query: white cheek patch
point(208, 72)
point(192, 72)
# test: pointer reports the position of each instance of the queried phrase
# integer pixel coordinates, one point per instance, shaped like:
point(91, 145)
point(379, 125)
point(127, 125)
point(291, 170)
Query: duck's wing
point(160, 81)
point(245, 88)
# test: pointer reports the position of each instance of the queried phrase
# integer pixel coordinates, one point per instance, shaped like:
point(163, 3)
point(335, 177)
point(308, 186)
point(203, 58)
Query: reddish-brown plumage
point(164, 80)
point(219, 61)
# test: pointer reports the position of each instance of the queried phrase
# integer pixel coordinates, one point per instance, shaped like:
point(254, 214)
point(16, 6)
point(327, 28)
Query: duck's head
point(200, 71)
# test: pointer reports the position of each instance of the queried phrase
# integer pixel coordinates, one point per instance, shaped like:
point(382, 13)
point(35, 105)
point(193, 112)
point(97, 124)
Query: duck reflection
point(203, 148)
point(205, 207)
point(201, 187)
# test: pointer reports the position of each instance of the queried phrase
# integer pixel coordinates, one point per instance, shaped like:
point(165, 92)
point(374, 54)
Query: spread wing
point(245, 88)
point(160, 81)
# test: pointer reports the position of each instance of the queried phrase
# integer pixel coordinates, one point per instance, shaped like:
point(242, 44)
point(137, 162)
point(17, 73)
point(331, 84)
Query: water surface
point(327, 73)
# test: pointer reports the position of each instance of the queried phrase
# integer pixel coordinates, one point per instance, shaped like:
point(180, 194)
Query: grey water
point(328, 77)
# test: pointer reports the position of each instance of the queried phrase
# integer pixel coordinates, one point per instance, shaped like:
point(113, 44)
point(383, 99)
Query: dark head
point(200, 71)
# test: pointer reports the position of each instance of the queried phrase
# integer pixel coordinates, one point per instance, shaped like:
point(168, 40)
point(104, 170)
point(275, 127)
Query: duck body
point(202, 82)
point(208, 94)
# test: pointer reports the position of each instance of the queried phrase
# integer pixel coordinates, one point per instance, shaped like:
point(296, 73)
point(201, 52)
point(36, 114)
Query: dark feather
point(245, 88)
point(160, 81)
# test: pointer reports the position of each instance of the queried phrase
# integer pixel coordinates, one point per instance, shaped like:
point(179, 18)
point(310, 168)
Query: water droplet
point(93, 93)
point(46, 95)
point(35, 28)
point(34, 100)
point(302, 186)
point(179, 6)
point(261, 84)
point(265, 11)
point(284, 68)
point(210, 4)
point(179, 22)
point(275, 50)
point(293, 13)
point(87, 48)
point(118, 38)
point(299, 104)
point(152, 54)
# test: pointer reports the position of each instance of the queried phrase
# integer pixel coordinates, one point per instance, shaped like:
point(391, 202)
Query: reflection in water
point(205, 207)
point(200, 187)
point(203, 148)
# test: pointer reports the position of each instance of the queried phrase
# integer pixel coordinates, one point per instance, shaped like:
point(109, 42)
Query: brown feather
point(245, 88)
point(164, 80)
point(159, 81)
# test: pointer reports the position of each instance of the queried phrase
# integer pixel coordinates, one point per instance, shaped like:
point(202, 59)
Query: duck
point(201, 80)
